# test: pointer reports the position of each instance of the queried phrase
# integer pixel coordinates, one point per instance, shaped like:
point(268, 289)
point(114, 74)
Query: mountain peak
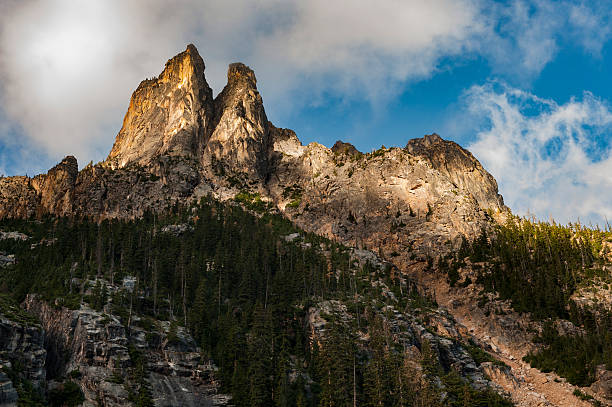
point(239, 72)
point(184, 65)
point(241, 135)
point(168, 115)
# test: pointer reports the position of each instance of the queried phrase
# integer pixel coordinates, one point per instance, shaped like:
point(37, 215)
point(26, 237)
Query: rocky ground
point(109, 362)
point(508, 337)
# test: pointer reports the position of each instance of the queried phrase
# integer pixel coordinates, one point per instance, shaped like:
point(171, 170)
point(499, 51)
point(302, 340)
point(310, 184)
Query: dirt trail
point(508, 337)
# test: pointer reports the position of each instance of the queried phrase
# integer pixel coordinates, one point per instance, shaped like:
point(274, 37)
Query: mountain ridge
point(178, 143)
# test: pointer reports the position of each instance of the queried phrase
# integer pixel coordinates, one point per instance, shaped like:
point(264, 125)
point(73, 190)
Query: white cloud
point(357, 47)
point(67, 68)
point(549, 159)
point(591, 24)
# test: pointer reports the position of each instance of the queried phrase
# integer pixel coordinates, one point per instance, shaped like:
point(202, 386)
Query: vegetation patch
point(538, 266)
point(251, 201)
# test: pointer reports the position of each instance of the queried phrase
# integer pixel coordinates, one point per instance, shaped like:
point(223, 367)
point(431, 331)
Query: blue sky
point(525, 85)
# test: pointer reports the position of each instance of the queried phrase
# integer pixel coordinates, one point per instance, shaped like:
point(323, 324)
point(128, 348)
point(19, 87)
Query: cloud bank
point(549, 159)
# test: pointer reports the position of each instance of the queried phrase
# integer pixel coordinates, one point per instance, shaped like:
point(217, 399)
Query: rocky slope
point(102, 356)
point(94, 350)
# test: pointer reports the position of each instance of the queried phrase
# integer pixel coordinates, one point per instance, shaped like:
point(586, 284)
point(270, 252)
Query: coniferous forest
point(243, 284)
point(540, 267)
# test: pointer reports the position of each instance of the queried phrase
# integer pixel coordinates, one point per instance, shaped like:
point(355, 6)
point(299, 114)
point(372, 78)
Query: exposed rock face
point(390, 199)
point(8, 394)
point(168, 115)
point(24, 343)
point(240, 140)
point(341, 147)
point(56, 188)
point(460, 166)
point(603, 385)
point(95, 344)
point(47, 193)
point(22, 350)
point(18, 199)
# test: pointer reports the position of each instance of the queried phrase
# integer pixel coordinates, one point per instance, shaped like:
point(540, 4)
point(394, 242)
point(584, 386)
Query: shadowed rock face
point(240, 140)
point(178, 144)
point(21, 344)
point(344, 148)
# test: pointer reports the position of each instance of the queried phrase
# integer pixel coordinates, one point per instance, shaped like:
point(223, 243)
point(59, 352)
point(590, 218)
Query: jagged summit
point(174, 115)
point(239, 72)
point(167, 115)
point(183, 65)
point(241, 138)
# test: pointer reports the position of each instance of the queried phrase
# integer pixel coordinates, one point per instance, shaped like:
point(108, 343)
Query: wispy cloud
point(549, 159)
point(523, 36)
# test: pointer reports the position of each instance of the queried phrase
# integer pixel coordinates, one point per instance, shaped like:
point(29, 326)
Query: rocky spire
point(56, 187)
point(168, 115)
point(240, 139)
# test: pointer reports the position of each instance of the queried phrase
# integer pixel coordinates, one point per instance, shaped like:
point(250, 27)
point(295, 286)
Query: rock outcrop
point(52, 193)
point(239, 143)
point(97, 351)
point(22, 352)
point(168, 115)
point(341, 147)
point(56, 188)
point(603, 383)
point(18, 199)
point(460, 166)
point(23, 343)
